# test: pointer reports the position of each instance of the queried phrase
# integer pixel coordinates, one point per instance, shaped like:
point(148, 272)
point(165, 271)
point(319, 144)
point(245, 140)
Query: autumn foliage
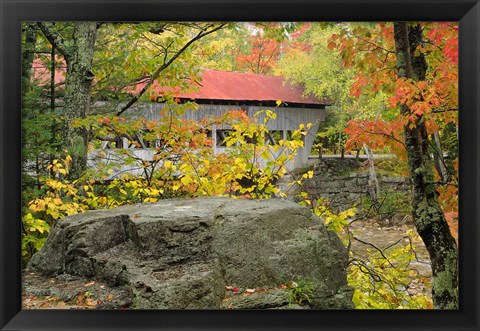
point(434, 99)
point(183, 164)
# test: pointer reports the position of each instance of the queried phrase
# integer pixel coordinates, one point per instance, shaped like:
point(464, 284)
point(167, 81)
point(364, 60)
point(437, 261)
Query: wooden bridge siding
point(288, 118)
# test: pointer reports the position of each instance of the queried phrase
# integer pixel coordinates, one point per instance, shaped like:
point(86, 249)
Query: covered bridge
point(223, 91)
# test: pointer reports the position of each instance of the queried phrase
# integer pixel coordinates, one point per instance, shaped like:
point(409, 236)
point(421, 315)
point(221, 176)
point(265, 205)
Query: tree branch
point(436, 110)
point(387, 136)
point(376, 248)
point(373, 44)
point(166, 64)
point(54, 38)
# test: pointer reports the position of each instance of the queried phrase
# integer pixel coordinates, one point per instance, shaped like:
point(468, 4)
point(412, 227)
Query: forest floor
point(71, 292)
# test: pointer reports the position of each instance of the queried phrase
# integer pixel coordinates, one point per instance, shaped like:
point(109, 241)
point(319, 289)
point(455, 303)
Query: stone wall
point(344, 182)
point(347, 191)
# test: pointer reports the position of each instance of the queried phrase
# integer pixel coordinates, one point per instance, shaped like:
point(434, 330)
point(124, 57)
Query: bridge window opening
point(273, 137)
point(290, 133)
point(251, 140)
point(221, 137)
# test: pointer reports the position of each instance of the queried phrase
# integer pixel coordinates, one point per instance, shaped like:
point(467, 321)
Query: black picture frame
point(13, 12)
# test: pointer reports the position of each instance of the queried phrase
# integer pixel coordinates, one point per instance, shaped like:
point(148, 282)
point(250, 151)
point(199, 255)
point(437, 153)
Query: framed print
point(240, 165)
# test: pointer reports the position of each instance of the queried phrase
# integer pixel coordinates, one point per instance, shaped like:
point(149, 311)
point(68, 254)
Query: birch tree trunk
point(438, 158)
point(427, 214)
point(373, 186)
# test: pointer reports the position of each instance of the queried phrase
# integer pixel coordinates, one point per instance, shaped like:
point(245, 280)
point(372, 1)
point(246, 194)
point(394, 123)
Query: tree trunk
point(78, 54)
point(28, 53)
point(373, 186)
point(438, 159)
point(52, 79)
point(427, 214)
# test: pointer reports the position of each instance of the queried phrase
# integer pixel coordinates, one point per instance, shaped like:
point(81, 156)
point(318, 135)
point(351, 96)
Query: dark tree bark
point(52, 79)
point(427, 214)
point(28, 53)
point(78, 54)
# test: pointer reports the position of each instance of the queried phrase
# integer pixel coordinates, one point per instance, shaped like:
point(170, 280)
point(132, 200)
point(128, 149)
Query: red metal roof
point(239, 86)
point(220, 85)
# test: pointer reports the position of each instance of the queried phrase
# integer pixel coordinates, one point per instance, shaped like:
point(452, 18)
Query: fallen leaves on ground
point(231, 288)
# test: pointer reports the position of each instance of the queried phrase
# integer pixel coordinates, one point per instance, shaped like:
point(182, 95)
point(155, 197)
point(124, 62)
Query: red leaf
point(331, 45)
point(231, 288)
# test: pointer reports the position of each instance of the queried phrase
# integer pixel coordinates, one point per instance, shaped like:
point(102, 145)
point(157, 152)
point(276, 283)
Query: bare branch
point(375, 247)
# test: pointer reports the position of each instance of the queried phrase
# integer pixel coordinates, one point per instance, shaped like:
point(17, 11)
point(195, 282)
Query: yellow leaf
point(238, 160)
